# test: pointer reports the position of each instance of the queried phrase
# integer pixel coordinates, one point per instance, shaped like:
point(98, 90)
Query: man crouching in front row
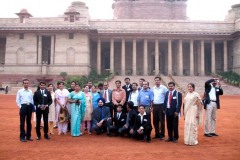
point(142, 128)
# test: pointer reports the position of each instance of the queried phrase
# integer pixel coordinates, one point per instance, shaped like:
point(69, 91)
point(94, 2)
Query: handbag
point(63, 115)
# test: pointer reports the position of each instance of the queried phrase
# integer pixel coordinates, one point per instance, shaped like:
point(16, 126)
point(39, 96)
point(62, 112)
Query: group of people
point(128, 110)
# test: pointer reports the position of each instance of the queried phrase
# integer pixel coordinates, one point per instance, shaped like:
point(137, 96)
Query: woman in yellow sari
point(193, 112)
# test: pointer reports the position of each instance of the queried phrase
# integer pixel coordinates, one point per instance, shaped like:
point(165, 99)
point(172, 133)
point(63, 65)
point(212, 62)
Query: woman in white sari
point(193, 112)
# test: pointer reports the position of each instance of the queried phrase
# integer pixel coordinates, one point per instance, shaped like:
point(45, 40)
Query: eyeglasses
point(25, 83)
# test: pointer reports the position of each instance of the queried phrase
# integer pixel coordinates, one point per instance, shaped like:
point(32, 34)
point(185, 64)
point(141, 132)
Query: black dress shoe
point(38, 138)
point(148, 139)
point(175, 141)
point(213, 134)
point(161, 137)
point(169, 140)
point(156, 137)
point(207, 135)
point(47, 137)
point(23, 140)
point(29, 139)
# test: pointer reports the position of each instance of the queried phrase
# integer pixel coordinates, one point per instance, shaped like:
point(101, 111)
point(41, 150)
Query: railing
point(177, 85)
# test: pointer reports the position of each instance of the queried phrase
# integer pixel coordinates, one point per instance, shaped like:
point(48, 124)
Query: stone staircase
point(181, 81)
point(14, 82)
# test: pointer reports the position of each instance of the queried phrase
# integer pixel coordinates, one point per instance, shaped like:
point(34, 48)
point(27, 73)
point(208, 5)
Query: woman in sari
point(52, 110)
point(78, 107)
point(61, 97)
point(89, 110)
point(193, 115)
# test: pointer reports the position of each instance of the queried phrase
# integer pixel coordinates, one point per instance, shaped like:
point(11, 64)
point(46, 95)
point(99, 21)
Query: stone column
point(202, 69)
point(145, 58)
point(39, 49)
point(123, 67)
point(191, 58)
point(52, 50)
point(180, 57)
point(112, 55)
point(99, 56)
point(169, 57)
point(134, 63)
point(213, 67)
point(156, 57)
point(225, 59)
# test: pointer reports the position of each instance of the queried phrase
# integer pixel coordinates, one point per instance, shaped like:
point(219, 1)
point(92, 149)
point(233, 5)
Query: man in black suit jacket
point(172, 107)
point(130, 121)
point(212, 103)
point(42, 100)
point(119, 120)
point(142, 127)
point(128, 88)
point(101, 118)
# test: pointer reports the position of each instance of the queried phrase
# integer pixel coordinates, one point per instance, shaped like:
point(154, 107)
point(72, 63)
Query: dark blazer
point(128, 90)
point(208, 88)
point(144, 123)
point(176, 103)
point(40, 99)
point(96, 115)
point(109, 94)
point(132, 118)
point(121, 121)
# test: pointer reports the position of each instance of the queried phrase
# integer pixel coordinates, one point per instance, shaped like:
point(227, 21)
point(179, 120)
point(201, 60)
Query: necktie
point(170, 99)
point(118, 116)
point(105, 95)
point(42, 91)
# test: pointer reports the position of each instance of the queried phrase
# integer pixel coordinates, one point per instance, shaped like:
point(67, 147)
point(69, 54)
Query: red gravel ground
point(86, 147)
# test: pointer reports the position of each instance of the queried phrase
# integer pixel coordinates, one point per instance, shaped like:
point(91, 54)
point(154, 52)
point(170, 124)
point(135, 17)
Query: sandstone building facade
point(145, 37)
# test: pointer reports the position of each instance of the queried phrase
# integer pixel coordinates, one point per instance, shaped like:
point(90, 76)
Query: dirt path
point(86, 147)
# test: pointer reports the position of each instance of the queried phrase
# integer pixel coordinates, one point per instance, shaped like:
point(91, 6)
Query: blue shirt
point(145, 97)
point(95, 97)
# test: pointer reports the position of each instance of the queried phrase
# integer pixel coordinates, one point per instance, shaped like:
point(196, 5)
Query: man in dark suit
point(212, 103)
point(119, 120)
point(130, 120)
point(42, 100)
point(106, 93)
point(172, 108)
point(128, 89)
point(142, 127)
point(101, 118)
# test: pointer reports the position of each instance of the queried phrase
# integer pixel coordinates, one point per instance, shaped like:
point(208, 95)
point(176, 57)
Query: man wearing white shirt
point(142, 127)
point(24, 101)
point(159, 92)
point(213, 90)
point(134, 95)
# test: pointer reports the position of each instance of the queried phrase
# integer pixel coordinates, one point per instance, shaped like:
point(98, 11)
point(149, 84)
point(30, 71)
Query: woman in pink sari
point(193, 112)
